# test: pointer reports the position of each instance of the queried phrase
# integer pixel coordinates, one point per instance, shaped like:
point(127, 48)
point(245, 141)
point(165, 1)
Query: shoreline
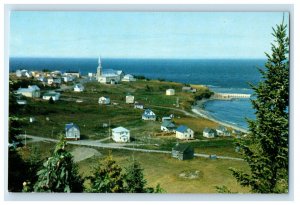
point(200, 111)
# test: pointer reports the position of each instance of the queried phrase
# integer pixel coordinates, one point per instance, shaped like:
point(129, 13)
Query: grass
point(166, 172)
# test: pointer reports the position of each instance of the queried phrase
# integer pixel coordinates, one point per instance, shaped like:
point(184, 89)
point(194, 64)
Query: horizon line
point(160, 58)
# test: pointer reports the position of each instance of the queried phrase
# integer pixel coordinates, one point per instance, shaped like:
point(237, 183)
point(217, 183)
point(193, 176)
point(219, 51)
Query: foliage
point(204, 95)
point(223, 190)
point(15, 128)
point(16, 168)
point(267, 149)
point(59, 173)
point(134, 178)
point(51, 101)
point(21, 171)
point(148, 88)
point(107, 177)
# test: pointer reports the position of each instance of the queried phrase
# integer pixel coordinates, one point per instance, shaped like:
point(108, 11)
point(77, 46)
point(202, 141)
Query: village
point(111, 109)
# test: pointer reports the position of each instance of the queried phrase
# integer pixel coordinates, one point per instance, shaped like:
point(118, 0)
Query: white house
point(22, 102)
point(189, 89)
point(73, 73)
point(78, 88)
point(128, 78)
point(138, 105)
point(21, 73)
point(167, 126)
point(104, 100)
point(170, 92)
point(72, 132)
point(183, 132)
point(120, 134)
point(148, 115)
point(67, 78)
point(54, 95)
point(129, 99)
point(209, 133)
point(222, 131)
point(33, 91)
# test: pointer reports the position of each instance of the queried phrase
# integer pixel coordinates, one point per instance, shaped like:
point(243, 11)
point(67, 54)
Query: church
point(108, 76)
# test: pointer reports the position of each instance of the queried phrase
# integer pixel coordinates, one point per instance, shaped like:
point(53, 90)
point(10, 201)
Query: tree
point(107, 177)
point(16, 171)
point(135, 181)
point(20, 170)
point(134, 178)
point(51, 101)
point(266, 148)
point(59, 173)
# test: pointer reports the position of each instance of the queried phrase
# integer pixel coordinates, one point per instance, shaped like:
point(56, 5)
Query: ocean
point(221, 75)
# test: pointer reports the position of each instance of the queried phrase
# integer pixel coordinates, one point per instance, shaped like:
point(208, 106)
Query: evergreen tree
point(51, 101)
point(135, 181)
point(134, 178)
point(59, 173)
point(107, 177)
point(266, 147)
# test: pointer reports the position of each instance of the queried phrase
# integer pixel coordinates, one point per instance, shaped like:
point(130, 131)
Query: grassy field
point(210, 173)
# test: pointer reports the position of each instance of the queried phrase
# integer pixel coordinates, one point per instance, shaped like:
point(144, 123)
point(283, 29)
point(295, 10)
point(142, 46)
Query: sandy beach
point(197, 109)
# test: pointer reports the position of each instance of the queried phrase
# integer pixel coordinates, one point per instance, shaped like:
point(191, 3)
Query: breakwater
point(230, 95)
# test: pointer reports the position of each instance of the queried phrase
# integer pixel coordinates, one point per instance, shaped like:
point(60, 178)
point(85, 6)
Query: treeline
point(59, 173)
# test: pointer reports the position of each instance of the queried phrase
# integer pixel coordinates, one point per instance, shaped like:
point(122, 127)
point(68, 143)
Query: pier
point(230, 95)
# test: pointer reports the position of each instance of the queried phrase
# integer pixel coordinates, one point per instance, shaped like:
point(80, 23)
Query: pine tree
point(135, 181)
point(51, 101)
point(266, 147)
point(59, 173)
point(134, 178)
point(107, 178)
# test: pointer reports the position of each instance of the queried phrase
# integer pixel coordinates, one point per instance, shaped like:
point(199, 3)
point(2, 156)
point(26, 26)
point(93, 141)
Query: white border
point(213, 6)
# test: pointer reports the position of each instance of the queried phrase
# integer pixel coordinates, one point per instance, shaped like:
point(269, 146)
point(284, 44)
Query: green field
point(162, 169)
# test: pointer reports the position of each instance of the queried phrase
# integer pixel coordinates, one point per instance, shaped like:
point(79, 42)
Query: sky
point(183, 35)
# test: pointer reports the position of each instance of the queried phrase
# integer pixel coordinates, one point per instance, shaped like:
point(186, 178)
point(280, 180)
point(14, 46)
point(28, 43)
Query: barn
point(183, 151)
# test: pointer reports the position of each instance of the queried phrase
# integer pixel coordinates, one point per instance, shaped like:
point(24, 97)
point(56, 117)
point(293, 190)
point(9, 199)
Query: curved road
point(97, 143)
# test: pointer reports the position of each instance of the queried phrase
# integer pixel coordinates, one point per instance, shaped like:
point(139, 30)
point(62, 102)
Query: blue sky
point(142, 34)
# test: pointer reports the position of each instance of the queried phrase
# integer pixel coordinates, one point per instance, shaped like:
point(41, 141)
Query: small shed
point(170, 92)
point(22, 102)
point(128, 78)
point(149, 115)
point(183, 132)
point(168, 126)
point(129, 99)
point(54, 95)
point(183, 151)
point(104, 100)
point(32, 119)
point(78, 88)
point(209, 133)
point(138, 105)
point(120, 134)
point(72, 132)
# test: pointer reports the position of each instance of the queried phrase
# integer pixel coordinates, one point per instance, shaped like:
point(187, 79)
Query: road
point(98, 144)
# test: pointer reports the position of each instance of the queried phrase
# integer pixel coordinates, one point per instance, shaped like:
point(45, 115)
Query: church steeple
point(99, 61)
point(99, 68)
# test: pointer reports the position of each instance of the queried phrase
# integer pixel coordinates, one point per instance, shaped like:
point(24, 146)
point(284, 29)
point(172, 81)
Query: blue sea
point(221, 75)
